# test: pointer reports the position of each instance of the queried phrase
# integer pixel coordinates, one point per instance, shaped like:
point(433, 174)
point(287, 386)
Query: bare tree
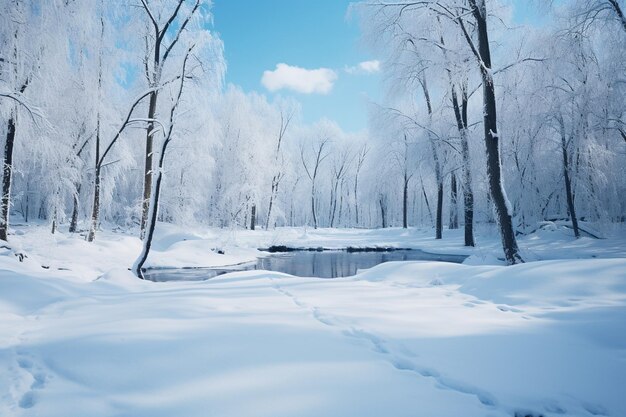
point(101, 158)
point(312, 170)
point(75, 196)
point(21, 83)
point(402, 159)
point(156, 192)
point(460, 113)
point(571, 208)
point(482, 53)
point(360, 161)
point(590, 11)
point(157, 55)
point(436, 159)
point(285, 119)
point(341, 164)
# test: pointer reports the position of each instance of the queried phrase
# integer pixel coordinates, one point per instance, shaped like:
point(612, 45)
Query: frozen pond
point(305, 263)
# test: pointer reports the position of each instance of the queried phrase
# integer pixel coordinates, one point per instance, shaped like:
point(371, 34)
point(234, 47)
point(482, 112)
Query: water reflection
point(326, 264)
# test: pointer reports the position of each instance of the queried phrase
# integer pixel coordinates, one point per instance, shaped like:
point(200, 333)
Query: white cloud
point(302, 80)
point(365, 67)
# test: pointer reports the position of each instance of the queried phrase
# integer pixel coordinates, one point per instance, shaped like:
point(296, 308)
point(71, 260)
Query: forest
point(97, 100)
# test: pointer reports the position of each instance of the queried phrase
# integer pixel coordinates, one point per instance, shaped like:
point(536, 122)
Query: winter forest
point(494, 141)
point(97, 101)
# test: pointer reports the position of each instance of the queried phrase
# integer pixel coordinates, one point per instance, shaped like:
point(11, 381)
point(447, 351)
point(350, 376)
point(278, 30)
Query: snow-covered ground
point(82, 337)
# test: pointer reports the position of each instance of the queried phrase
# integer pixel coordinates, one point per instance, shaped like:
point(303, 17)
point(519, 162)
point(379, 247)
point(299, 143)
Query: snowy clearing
point(401, 339)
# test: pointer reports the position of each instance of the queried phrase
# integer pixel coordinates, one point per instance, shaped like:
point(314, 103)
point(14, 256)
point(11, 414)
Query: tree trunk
point(151, 221)
point(460, 113)
point(494, 169)
point(26, 210)
point(405, 202)
point(313, 206)
point(7, 174)
point(333, 202)
point(568, 184)
point(468, 211)
point(438, 173)
point(341, 206)
point(74, 220)
point(269, 210)
point(468, 193)
point(454, 214)
point(356, 200)
point(153, 203)
point(383, 212)
point(54, 222)
point(430, 212)
point(41, 214)
point(253, 217)
point(95, 211)
point(147, 179)
point(439, 226)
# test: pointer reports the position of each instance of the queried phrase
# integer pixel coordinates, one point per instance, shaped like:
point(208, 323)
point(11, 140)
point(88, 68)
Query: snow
point(401, 339)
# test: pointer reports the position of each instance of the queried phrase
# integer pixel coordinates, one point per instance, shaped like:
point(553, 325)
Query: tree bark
point(383, 211)
point(54, 222)
point(26, 210)
point(494, 168)
point(356, 199)
point(95, 209)
point(439, 226)
point(405, 201)
point(269, 209)
point(454, 214)
point(438, 173)
point(147, 175)
point(7, 174)
point(153, 209)
point(430, 212)
point(253, 217)
point(75, 201)
point(150, 224)
point(313, 207)
point(460, 113)
point(568, 183)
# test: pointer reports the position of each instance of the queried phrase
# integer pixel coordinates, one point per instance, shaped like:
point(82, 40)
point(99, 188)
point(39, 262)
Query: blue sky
point(259, 34)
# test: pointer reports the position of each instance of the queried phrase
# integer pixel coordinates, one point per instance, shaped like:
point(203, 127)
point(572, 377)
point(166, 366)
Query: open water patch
point(317, 262)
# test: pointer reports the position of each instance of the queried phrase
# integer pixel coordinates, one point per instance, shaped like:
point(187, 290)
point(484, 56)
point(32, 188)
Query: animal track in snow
point(595, 409)
point(506, 308)
point(398, 357)
point(30, 370)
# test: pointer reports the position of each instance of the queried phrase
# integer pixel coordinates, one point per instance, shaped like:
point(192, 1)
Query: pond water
point(321, 264)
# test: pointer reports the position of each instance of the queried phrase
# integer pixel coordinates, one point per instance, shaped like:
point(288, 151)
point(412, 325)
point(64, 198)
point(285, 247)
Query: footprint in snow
point(24, 363)
point(322, 318)
point(509, 309)
point(595, 409)
point(554, 407)
point(27, 400)
point(399, 362)
point(378, 344)
point(484, 397)
point(39, 378)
